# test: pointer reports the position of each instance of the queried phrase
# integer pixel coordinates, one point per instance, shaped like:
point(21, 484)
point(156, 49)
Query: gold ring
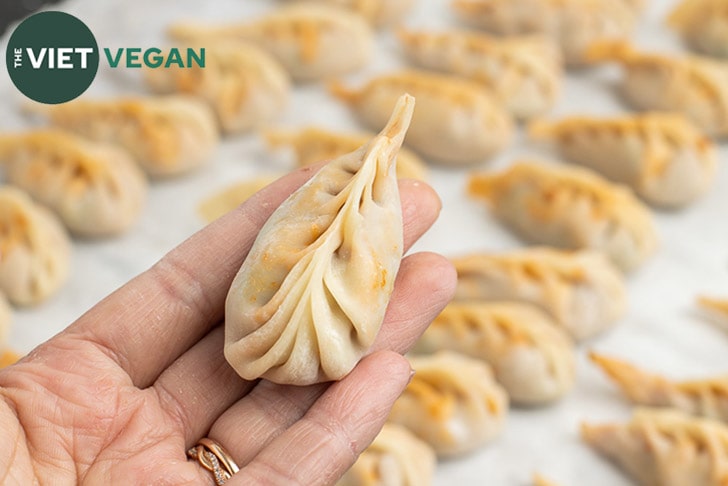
point(215, 459)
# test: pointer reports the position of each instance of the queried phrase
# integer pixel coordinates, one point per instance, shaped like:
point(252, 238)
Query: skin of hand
point(122, 393)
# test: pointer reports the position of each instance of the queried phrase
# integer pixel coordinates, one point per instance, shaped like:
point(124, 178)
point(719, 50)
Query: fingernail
point(412, 374)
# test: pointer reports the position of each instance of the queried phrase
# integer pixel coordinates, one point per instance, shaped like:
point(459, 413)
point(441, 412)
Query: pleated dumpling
point(707, 398)
point(703, 24)
point(457, 122)
point(310, 297)
point(244, 85)
point(167, 135)
point(227, 199)
point(663, 157)
point(524, 73)
point(379, 13)
point(312, 145)
point(312, 41)
point(570, 207)
point(572, 24)
point(452, 403)
point(582, 290)
point(34, 249)
point(716, 309)
point(531, 357)
point(664, 448)
point(694, 86)
point(96, 189)
point(395, 458)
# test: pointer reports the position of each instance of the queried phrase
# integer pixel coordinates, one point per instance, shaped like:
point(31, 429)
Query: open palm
point(120, 395)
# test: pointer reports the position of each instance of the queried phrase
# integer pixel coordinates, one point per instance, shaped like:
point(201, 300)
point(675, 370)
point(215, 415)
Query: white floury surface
point(661, 332)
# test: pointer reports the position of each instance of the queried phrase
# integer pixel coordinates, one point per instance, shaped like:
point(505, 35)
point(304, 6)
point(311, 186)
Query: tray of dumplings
point(578, 150)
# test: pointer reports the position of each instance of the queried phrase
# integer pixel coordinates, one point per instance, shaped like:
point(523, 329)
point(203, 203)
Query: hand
point(121, 394)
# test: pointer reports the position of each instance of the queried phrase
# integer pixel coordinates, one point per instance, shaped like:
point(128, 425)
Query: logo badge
point(52, 57)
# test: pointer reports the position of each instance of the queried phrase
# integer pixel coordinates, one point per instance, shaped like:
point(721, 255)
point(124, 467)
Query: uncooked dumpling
point(582, 290)
point(167, 135)
point(96, 189)
point(665, 448)
point(531, 357)
point(663, 157)
point(232, 196)
point(703, 24)
point(312, 145)
point(452, 403)
point(311, 41)
point(395, 458)
point(457, 122)
point(378, 12)
point(310, 298)
point(525, 73)
point(570, 207)
point(244, 85)
point(707, 398)
point(34, 249)
point(694, 86)
point(572, 24)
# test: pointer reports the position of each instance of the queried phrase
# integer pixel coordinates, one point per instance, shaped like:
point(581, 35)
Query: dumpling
point(717, 309)
point(572, 24)
point(167, 135)
point(224, 201)
point(379, 13)
point(311, 41)
point(570, 207)
point(395, 458)
point(663, 157)
point(693, 86)
point(531, 357)
point(312, 145)
point(34, 249)
point(582, 291)
point(310, 297)
point(703, 24)
point(457, 122)
point(452, 403)
point(96, 189)
point(525, 73)
point(707, 398)
point(539, 480)
point(243, 84)
point(665, 448)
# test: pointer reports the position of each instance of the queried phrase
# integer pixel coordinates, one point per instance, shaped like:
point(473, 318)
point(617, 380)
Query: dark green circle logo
point(52, 57)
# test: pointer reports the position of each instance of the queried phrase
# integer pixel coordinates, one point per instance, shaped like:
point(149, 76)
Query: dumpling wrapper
point(706, 398)
point(716, 309)
point(244, 85)
point(311, 41)
point(34, 249)
point(663, 157)
point(312, 145)
point(664, 448)
point(395, 458)
point(524, 73)
point(166, 135)
point(696, 87)
point(224, 201)
point(452, 403)
point(310, 297)
point(458, 121)
point(570, 207)
point(380, 13)
point(703, 24)
point(572, 24)
point(96, 189)
point(531, 357)
point(582, 291)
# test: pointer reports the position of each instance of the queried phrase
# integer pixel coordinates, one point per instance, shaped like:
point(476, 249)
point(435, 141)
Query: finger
point(321, 446)
point(179, 299)
point(425, 283)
